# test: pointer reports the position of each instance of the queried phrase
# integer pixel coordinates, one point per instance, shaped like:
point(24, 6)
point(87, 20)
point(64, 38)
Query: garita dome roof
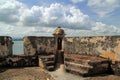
point(59, 31)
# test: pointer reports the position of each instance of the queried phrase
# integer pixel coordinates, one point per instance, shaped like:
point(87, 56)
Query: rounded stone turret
point(59, 32)
point(59, 35)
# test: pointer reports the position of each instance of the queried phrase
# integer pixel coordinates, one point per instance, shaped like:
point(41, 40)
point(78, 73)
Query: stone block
point(85, 65)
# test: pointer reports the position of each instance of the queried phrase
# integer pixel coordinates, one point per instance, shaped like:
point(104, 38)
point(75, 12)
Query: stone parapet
point(6, 45)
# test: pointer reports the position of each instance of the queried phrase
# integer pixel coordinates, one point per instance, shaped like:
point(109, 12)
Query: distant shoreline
point(17, 39)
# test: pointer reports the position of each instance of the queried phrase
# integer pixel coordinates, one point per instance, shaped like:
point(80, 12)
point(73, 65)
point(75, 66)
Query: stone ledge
point(85, 65)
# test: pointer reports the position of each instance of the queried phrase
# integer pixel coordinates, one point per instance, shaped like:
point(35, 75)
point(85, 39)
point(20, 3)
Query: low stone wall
point(85, 65)
point(19, 61)
point(6, 45)
point(38, 45)
point(116, 67)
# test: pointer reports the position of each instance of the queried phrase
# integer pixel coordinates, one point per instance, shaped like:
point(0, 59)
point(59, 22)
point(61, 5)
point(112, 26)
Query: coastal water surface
point(18, 47)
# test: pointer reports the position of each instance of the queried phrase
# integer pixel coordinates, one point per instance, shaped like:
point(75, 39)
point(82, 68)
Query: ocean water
point(18, 47)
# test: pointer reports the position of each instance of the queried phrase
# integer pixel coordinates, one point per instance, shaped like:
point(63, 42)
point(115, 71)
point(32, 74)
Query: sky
point(19, 18)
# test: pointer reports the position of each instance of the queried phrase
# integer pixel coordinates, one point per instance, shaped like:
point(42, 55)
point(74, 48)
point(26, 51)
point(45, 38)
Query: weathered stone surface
point(19, 61)
point(38, 45)
point(47, 62)
point(104, 46)
point(28, 73)
point(85, 65)
point(5, 46)
point(116, 68)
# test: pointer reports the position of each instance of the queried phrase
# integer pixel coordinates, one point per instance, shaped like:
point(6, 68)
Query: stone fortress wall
point(5, 46)
point(104, 46)
point(81, 55)
point(38, 45)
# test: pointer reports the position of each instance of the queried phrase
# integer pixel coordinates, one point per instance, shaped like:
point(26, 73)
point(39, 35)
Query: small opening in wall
point(59, 42)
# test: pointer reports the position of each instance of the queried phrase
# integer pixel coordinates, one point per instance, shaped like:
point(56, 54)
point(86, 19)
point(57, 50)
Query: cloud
point(16, 19)
point(54, 15)
point(101, 28)
point(9, 11)
point(77, 1)
point(98, 29)
point(103, 7)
